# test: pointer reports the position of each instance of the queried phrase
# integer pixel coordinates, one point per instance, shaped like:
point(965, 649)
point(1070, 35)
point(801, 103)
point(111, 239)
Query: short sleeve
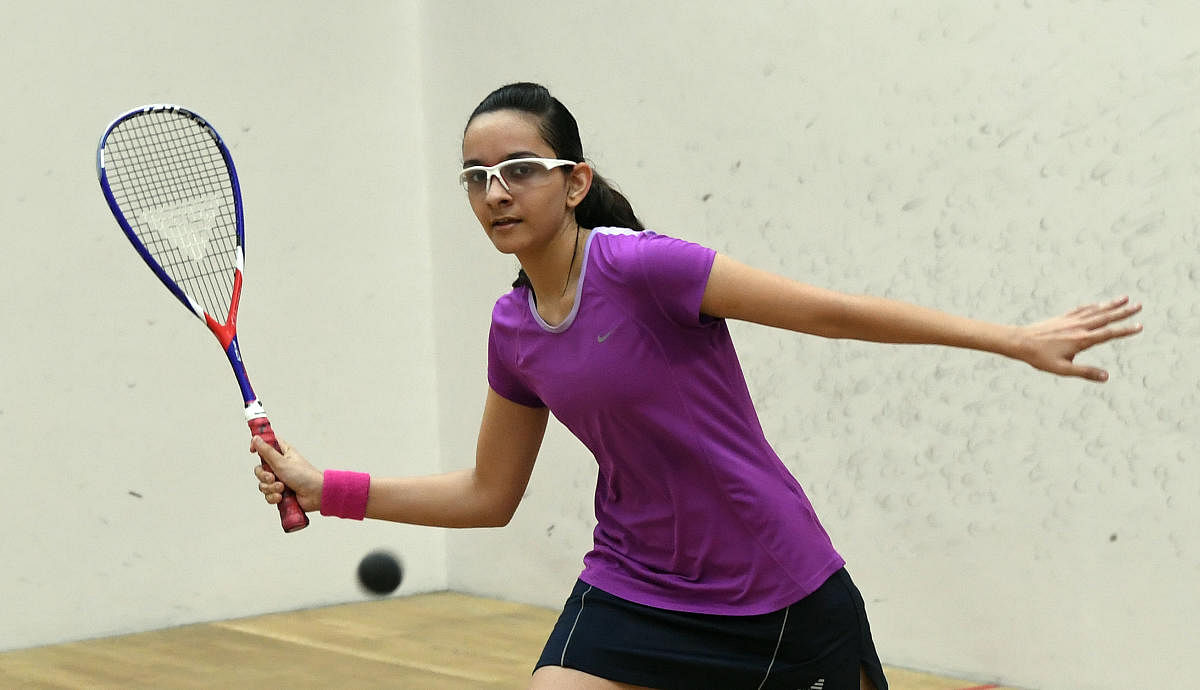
point(676, 274)
point(501, 376)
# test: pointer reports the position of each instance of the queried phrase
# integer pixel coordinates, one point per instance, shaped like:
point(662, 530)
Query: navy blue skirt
point(817, 643)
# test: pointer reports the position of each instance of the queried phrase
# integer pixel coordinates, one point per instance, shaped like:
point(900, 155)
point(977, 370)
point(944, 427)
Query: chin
point(506, 244)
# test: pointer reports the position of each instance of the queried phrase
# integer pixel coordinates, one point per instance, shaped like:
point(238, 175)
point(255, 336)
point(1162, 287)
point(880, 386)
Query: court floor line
point(360, 653)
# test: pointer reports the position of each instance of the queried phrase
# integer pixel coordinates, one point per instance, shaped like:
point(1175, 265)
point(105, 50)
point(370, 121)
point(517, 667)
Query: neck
point(554, 271)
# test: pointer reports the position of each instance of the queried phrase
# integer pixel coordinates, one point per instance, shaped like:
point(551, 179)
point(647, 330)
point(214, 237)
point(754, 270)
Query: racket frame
point(292, 516)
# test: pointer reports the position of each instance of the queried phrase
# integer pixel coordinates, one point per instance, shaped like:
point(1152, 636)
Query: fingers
point(1094, 373)
point(1101, 332)
point(1095, 307)
point(1096, 320)
point(1054, 343)
point(1107, 334)
point(271, 488)
point(1086, 310)
point(280, 471)
point(266, 452)
point(1111, 313)
point(1090, 373)
point(273, 492)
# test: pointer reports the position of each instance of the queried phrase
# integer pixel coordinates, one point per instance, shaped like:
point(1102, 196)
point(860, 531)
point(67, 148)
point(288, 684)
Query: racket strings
point(168, 176)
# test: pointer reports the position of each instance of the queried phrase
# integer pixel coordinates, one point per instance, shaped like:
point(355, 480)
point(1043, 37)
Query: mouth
point(504, 222)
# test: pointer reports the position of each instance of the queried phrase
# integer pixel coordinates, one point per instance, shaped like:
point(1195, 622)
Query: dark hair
point(603, 205)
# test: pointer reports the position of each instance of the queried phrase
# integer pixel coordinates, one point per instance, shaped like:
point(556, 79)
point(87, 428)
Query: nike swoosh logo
point(602, 338)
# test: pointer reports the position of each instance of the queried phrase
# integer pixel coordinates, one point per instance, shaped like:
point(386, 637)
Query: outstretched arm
point(737, 291)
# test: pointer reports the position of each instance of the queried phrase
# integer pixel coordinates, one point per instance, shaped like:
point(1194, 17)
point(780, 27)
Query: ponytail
point(604, 206)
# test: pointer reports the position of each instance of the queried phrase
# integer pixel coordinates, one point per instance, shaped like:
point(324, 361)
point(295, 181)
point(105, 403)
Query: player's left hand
point(1051, 345)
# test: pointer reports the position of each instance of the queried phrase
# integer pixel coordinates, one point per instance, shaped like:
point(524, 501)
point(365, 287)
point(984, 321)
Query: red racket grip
point(291, 515)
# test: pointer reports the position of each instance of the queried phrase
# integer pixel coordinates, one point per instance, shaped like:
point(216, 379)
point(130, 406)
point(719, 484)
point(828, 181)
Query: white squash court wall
point(1001, 160)
point(1006, 161)
point(126, 486)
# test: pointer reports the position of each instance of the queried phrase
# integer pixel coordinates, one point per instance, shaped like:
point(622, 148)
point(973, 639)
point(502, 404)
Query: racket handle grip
point(291, 515)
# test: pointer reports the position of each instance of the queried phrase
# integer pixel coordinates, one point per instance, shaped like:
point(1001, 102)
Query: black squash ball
point(380, 573)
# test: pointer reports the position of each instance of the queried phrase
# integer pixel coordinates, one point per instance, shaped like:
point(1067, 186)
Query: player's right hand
point(288, 467)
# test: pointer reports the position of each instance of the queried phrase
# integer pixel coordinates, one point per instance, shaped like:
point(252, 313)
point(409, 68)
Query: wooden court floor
point(429, 641)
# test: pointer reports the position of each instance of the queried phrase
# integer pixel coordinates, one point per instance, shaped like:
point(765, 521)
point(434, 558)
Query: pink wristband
point(344, 494)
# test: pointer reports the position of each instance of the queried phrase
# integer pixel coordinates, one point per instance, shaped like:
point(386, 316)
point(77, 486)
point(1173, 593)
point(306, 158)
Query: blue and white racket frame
point(166, 172)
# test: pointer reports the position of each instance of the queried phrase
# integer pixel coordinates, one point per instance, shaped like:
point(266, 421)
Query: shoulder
point(510, 307)
point(624, 237)
point(610, 242)
point(622, 247)
point(669, 272)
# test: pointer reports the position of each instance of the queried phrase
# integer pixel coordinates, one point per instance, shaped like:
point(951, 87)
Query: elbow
point(497, 515)
point(499, 521)
point(495, 520)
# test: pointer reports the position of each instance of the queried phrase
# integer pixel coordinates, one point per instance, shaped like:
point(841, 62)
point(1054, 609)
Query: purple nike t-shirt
point(694, 510)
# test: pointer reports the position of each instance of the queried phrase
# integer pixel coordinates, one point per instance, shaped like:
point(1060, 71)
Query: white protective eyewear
point(514, 175)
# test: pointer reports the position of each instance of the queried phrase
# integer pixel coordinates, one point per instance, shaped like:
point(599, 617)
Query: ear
point(579, 181)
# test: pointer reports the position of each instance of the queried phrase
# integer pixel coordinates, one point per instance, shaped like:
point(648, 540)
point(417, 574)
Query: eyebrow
point(512, 156)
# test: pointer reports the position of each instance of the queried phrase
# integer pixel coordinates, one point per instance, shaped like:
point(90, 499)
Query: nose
point(498, 190)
